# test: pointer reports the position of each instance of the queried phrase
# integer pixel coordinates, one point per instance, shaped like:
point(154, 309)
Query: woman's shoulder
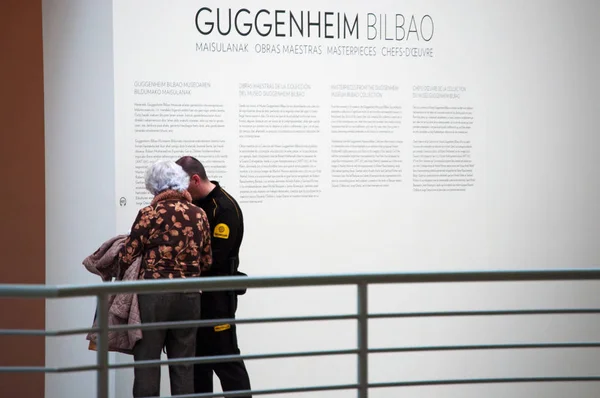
point(178, 206)
point(146, 209)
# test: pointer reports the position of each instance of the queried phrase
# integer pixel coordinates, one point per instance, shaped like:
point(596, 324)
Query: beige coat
point(123, 308)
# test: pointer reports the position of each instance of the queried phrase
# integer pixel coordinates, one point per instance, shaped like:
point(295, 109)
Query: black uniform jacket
point(227, 231)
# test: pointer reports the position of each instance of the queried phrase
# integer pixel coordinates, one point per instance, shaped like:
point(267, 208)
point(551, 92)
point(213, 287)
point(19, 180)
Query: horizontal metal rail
point(178, 361)
point(185, 324)
point(362, 316)
point(423, 383)
point(312, 318)
point(237, 282)
point(291, 390)
point(484, 347)
point(417, 383)
point(228, 358)
point(177, 325)
point(441, 314)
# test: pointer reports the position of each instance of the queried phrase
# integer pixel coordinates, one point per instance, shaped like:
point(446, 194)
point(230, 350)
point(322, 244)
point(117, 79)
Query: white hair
point(166, 174)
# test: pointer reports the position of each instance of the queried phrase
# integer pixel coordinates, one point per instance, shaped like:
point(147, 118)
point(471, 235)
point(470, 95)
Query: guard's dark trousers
point(219, 340)
point(180, 343)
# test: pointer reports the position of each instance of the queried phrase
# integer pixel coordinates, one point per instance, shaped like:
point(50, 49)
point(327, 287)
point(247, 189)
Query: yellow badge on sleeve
point(221, 231)
point(222, 328)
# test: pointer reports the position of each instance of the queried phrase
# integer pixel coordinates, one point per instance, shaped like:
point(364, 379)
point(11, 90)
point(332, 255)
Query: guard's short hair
point(192, 166)
point(166, 174)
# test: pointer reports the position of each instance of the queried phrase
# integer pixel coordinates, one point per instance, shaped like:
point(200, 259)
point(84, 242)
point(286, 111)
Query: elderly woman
point(173, 238)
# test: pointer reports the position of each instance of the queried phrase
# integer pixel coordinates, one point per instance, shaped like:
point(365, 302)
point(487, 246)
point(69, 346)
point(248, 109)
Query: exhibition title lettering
point(328, 25)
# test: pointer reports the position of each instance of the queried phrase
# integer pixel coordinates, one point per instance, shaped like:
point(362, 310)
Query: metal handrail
point(103, 290)
point(241, 282)
point(310, 318)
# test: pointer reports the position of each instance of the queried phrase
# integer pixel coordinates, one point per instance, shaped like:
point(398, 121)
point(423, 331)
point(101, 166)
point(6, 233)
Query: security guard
point(227, 223)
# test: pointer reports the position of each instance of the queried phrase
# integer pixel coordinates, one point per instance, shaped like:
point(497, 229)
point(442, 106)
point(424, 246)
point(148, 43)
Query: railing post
point(102, 347)
point(363, 341)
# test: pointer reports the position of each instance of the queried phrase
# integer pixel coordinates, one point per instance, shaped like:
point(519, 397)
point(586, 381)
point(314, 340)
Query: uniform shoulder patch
point(221, 231)
point(222, 328)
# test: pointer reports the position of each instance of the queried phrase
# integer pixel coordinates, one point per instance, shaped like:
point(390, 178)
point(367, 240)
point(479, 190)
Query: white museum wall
point(530, 72)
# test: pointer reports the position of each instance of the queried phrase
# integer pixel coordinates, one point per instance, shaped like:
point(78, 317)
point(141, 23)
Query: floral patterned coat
point(172, 236)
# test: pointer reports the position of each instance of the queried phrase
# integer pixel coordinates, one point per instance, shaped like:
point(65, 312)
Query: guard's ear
point(195, 179)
